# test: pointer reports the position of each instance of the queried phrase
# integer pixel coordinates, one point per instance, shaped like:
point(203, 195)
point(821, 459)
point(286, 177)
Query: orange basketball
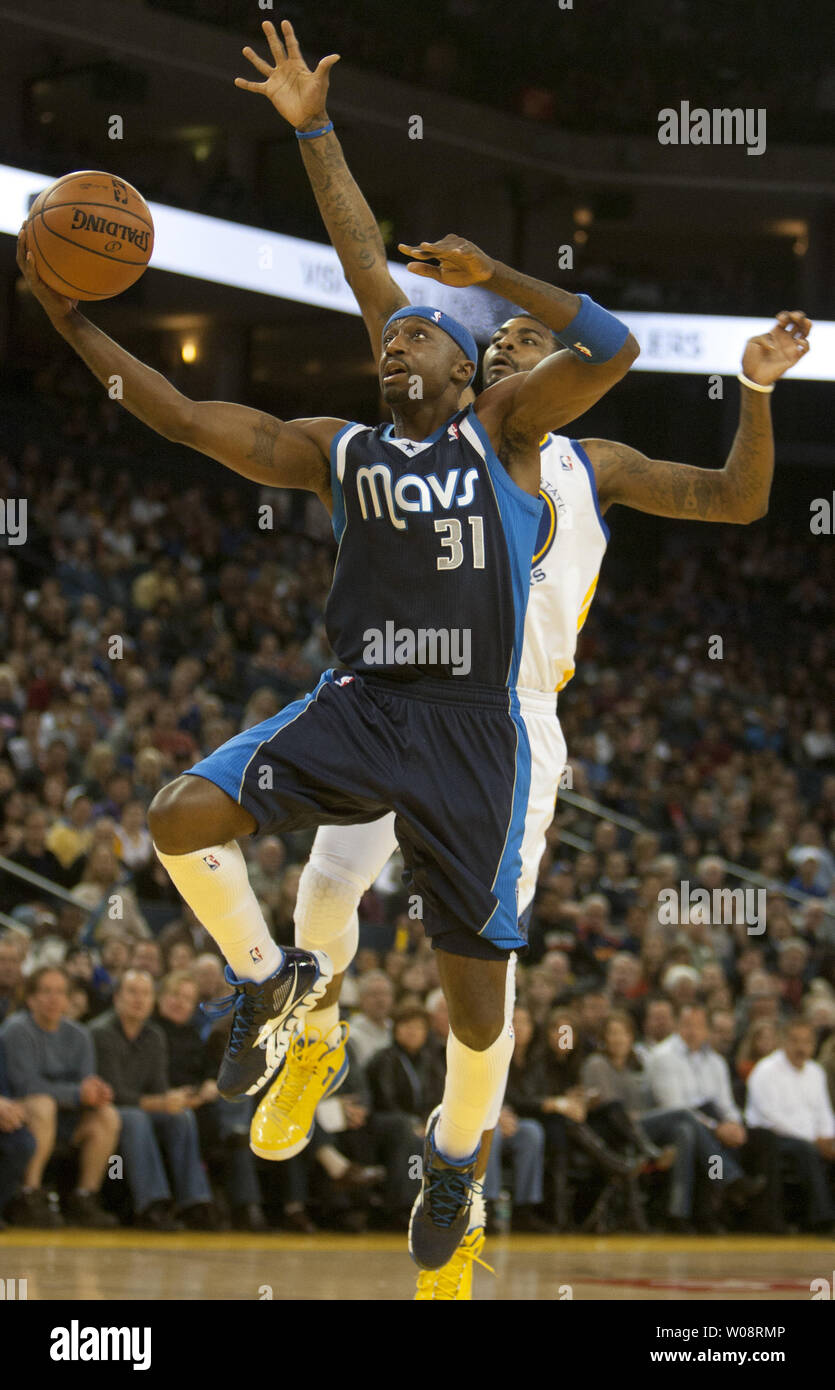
point(91, 235)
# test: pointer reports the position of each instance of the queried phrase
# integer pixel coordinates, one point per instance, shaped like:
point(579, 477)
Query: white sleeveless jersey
point(569, 552)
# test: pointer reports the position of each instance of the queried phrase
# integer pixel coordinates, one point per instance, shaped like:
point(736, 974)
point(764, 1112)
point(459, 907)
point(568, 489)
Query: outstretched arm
point(562, 386)
point(739, 491)
point(300, 96)
point(255, 445)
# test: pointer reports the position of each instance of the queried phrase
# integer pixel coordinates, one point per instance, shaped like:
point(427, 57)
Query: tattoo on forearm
point(264, 439)
point(342, 205)
point(703, 494)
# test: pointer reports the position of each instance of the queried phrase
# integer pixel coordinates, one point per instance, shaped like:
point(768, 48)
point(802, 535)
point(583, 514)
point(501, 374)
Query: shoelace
point(297, 1071)
point(244, 1006)
point(447, 1192)
point(447, 1281)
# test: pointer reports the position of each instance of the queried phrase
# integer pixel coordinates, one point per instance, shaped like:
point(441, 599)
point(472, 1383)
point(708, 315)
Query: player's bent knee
point(478, 1034)
point(192, 813)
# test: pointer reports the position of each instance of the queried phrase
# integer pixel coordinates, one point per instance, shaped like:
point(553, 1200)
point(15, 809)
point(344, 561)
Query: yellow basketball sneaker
point(455, 1280)
point(313, 1069)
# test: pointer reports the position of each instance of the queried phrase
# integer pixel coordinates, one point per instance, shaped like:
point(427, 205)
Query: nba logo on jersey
point(212, 861)
point(452, 432)
point(566, 462)
point(343, 680)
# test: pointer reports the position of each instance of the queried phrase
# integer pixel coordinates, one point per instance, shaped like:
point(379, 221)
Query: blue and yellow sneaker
point(264, 1017)
point(453, 1283)
point(314, 1068)
point(441, 1213)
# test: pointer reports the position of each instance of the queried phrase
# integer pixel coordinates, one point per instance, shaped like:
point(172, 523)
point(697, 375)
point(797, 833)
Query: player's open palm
point(769, 355)
point(297, 94)
point(459, 262)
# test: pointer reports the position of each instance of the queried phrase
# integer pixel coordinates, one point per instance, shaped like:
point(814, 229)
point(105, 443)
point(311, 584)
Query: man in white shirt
point(684, 1072)
point(791, 1118)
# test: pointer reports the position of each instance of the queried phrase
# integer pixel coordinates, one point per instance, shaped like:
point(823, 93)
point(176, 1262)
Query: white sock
point(320, 1022)
point(326, 911)
point(509, 1004)
point(215, 884)
point(472, 1080)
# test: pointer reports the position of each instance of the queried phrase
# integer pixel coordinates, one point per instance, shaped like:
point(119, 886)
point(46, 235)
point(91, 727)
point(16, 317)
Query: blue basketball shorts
point(453, 764)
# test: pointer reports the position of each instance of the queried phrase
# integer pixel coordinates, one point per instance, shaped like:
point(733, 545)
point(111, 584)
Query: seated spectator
point(826, 1057)
point(132, 1056)
point(593, 1008)
point(407, 1077)
point(50, 1066)
point(760, 1041)
point(12, 953)
point(553, 1094)
point(114, 957)
point(103, 887)
point(211, 984)
point(193, 1068)
point(378, 1145)
point(793, 971)
point(659, 1023)
point(522, 1137)
point(615, 1075)
point(684, 1072)
point(266, 872)
point(17, 1142)
point(624, 979)
point(538, 989)
point(722, 1036)
point(788, 1100)
point(72, 836)
point(438, 1011)
point(371, 1026)
point(133, 839)
point(147, 955)
point(32, 854)
point(179, 956)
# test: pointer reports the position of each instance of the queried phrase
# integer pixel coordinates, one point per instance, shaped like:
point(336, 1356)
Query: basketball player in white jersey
point(580, 480)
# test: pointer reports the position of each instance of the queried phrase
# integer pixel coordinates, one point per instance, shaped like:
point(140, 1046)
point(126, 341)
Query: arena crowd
point(672, 1074)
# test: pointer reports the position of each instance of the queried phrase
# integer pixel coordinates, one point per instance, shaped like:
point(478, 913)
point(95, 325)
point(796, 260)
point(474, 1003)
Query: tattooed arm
point(739, 491)
point(300, 96)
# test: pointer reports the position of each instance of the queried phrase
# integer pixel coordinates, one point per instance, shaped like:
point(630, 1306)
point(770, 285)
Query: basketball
point(91, 235)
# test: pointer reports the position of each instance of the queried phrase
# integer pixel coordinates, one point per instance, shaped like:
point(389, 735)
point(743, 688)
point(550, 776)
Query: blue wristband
point(311, 134)
point(594, 334)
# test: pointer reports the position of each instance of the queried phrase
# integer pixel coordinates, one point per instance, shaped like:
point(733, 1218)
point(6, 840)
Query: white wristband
point(766, 390)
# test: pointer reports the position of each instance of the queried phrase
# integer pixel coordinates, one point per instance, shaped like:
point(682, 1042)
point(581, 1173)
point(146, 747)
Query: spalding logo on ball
point(91, 235)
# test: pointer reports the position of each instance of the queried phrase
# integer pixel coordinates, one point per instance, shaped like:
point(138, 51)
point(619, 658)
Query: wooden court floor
point(134, 1265)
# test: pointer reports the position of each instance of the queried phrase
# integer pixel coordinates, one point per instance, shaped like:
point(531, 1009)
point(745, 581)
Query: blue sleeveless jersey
point(432, 575)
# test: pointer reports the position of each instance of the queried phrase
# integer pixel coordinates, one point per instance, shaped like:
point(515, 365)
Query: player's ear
point(463, 371)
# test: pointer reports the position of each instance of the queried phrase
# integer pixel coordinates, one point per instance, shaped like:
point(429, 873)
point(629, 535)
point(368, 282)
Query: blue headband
point(455, 330)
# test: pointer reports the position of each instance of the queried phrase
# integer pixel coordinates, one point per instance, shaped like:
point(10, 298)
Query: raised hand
point(769, 355)
point(297, 94)
point(460, 262)
point(55, 305)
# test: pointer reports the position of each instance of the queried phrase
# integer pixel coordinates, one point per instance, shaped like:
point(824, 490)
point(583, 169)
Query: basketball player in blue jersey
point(437, 517)
point(569, 551)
